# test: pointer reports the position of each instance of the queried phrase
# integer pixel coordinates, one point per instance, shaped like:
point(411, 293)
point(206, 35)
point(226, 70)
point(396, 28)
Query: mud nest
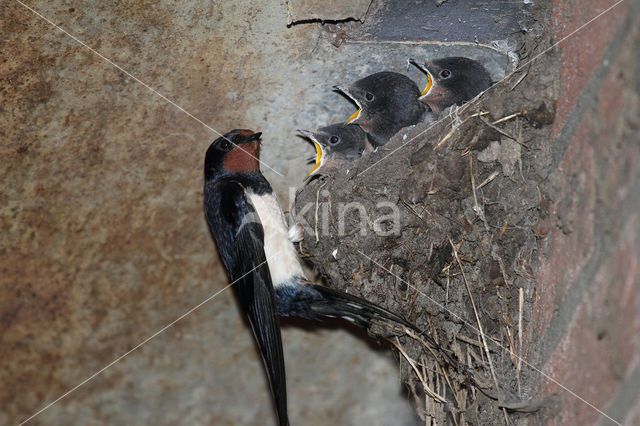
point(442, 226)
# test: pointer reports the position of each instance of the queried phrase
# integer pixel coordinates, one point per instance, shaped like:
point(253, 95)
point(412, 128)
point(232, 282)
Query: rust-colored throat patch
point(243, 158)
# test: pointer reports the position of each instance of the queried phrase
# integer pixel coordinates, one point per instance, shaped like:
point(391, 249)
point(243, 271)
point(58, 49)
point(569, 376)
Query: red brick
point(566, 254)
point(612, 181)
point(582, 51)
point(599, 348)
point(618, 169)
point(613, 303)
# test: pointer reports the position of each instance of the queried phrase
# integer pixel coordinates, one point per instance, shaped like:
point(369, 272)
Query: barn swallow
point(453, 80)
point(232, 182)
point(249, 228)
point(336, 145)
point(387, 102)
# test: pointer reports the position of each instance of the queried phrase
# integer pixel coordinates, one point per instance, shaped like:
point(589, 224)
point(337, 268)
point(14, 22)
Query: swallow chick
point(250, 231)
point(452, 81)
point(336, 145)
point(387, 102)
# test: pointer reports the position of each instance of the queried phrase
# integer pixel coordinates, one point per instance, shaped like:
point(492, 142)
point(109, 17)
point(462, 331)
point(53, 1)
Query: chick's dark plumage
point(387, 101)
point(453, 81)
point(336, 145)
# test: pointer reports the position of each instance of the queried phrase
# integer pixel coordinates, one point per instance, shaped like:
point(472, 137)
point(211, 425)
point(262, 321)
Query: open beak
point(427, 89)
point(356, 114)
point(353, 117)
point(319, 150)
point(424, 69)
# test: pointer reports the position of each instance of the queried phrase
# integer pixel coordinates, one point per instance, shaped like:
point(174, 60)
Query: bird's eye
point(225, 144)
point(334, 140)
point(368, 96)
point(445, 73)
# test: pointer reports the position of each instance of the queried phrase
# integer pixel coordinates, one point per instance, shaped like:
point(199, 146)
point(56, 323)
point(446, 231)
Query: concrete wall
point(102, 236)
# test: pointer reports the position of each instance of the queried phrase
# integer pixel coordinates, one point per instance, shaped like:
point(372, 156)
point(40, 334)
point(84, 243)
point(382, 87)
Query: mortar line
point(154, 91)
point(67, 393)
point(518, 68)
point(441, 306)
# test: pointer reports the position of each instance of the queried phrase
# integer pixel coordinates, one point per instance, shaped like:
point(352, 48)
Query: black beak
point(254, 137)
point(420, 66)
point(342, 89)
point(306, 134)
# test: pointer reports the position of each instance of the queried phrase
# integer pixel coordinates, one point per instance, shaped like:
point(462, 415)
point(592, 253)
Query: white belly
point(282, 257)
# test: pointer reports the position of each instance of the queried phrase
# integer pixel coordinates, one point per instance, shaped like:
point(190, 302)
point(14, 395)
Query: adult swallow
point(249, 228)
point(336, 145)
point(387, 102)
point(452, 80)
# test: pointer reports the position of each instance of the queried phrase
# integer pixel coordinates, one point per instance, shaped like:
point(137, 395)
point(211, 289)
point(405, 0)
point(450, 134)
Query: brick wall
point(586, 316)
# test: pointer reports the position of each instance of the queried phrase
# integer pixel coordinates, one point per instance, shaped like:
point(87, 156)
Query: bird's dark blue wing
point(239, 236)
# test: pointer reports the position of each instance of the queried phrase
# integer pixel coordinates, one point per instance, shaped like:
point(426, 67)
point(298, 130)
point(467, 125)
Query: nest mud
point(442, 225)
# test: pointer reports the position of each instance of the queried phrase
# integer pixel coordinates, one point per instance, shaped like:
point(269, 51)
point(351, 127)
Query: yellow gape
point(318, 158)
point(354, 116)
point(429, 84)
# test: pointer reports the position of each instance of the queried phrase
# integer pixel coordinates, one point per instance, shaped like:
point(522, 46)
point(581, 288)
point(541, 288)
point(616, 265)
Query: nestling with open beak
point(336, 145)
point(251, 235)
point(452, 81)
point(387, 102)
